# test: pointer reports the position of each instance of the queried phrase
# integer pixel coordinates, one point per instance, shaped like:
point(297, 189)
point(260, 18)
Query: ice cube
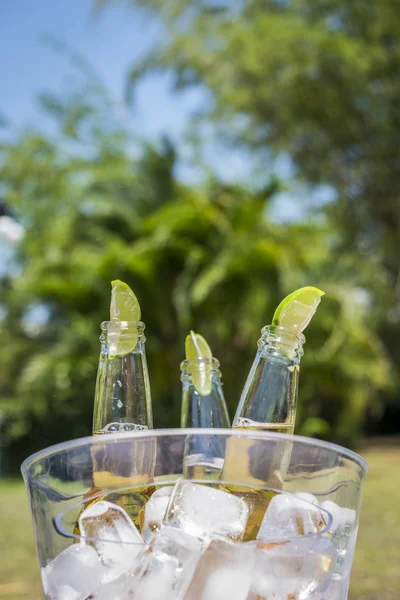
point(171, 558)
point(73, 575)
point(158, 581)
point(112, 534)
point(336, 589)
point(206, 512)
point(341, 528)
point(292, 569)
point(307, 497)
point(154, 511)
point(175, 543)
point(119, 589)
point(224, 572)
point(288, 516)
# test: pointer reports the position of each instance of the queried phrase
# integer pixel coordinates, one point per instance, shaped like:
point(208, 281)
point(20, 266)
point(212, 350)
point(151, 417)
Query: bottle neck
point(203, 410)
point(269, 397)
point(120, 338)
point(188, 368)
point(281, 342)
point(122, 395)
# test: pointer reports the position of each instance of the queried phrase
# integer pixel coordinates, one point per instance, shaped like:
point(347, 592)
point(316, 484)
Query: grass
point(376, 570)
point(19, 574)
point(376, 567)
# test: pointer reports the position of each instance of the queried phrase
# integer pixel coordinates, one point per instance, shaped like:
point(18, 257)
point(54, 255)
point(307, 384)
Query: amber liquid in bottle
point(268, 403)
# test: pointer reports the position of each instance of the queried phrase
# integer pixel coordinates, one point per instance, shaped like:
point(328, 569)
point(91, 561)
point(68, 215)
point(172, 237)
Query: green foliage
point(317, 80)
point(205, 257)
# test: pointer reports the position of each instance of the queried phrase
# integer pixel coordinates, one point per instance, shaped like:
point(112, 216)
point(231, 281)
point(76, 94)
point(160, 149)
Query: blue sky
point(110, 41)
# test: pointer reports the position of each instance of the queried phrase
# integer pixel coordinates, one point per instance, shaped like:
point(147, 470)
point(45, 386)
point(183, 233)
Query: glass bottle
point(198, 410)
point(269, 397)
point(123, 404)
point(122, 396)
point(268, 403)
point(203, 457)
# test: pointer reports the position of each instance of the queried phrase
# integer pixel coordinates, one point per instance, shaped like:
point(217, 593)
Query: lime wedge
point(196, 349)
point(296, 310)
point(124, 306)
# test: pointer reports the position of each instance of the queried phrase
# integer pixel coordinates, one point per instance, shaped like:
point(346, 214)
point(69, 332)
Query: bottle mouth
point(287, 341)
point(122, 337)
point(213, 362)
point(115, 325)
point(284, 332)
point(187, 367)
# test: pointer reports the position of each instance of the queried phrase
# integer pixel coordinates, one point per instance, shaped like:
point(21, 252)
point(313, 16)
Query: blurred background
point(215, 155)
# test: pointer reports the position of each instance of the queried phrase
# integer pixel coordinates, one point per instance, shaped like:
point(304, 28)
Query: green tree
point(315, 78)
point(94, 208)
point(318, 80)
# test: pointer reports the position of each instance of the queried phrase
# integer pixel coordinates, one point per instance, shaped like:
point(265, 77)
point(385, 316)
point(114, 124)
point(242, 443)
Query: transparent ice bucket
point(62, 479)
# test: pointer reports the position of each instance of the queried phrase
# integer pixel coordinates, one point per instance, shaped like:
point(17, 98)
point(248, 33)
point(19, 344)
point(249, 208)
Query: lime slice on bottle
point(124, 306)
point(196, 349)
point(296, 310)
